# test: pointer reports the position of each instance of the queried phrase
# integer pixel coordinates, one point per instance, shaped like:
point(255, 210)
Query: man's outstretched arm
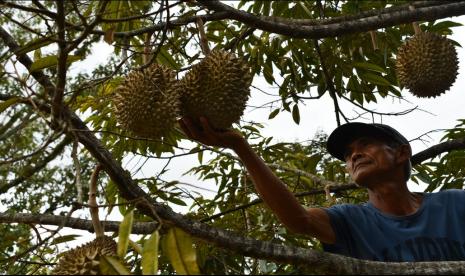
point(313, 222)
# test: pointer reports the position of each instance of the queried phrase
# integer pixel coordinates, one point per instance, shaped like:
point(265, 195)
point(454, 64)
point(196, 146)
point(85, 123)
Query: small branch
point(155, 53)
point(374, 41)
point(61, 66)
point(40, 149)
point(77, 167)
point(202, 37)
point(331, 188)
point(75, 223)
point(329, 82)
point(38, 166)
point(93, 202)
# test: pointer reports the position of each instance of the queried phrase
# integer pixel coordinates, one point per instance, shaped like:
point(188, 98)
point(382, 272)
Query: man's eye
point(347, 155)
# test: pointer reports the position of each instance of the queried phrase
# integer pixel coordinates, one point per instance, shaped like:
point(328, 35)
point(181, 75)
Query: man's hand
point(205, 134)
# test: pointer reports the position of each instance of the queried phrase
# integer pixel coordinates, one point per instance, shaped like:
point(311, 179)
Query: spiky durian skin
point(147, 102)
point(84, 260)
point(427, 65)
point(217, 88)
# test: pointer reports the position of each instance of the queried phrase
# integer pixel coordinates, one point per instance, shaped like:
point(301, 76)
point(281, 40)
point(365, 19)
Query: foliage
point(38, 173)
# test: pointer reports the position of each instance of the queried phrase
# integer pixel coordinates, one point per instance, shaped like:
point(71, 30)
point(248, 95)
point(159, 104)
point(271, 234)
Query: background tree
point(57, 126)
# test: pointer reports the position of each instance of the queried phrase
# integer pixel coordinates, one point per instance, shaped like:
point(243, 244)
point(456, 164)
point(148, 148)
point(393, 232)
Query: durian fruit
point(147, 102)
point(84, 260)
point(427, 64)
point(217, 88)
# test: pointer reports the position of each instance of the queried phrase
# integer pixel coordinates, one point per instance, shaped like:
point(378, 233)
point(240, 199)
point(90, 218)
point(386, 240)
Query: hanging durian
point(427, 64)
point(84, 260)
point(217, 88)
point(147, 102)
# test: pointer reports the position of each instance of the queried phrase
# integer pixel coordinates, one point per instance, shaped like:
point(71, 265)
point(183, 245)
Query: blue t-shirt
point(436, 232)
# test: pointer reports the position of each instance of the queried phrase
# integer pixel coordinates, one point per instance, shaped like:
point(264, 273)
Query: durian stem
point(203, 37)
point(77, 166)
point(93, 207)
point(415, 25)
point(373, 40)
point(147, 48)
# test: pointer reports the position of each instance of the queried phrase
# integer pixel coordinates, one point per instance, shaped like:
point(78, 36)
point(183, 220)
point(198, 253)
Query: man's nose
point(355, 155)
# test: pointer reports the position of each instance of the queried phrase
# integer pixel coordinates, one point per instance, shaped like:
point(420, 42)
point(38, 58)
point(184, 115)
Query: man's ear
point(404, 152)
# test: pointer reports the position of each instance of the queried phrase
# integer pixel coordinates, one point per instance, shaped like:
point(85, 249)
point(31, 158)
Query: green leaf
point(112, 266)
point(374, 79)
point(369, 66)
point(268, 73)
point(251, 128)
point(149, 260)
point(444, 25)
point(200, 156)
point(65, 238)
point(4, 105)
point(50, 61)
point(33, 45)
point(125, 229)
point(182, 255)
point(273, 113)
point(296, 114)
point(166, 58)
point(37, 54)
point(176, 201)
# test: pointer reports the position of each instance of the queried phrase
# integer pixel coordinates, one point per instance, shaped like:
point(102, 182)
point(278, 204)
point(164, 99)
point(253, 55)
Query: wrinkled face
point(370, 160)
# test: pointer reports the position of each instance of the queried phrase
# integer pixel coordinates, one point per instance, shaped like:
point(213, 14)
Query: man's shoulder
point(448, 193)
point(348, 208)
point(449, 197)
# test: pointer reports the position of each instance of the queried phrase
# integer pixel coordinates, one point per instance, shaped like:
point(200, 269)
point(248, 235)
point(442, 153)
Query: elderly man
point(394, 225)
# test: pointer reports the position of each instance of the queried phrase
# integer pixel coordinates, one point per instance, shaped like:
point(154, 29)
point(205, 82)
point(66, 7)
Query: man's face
point(370, 160)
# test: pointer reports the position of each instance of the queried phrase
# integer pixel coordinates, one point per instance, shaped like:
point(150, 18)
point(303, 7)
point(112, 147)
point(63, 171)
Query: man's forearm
point(272, 190)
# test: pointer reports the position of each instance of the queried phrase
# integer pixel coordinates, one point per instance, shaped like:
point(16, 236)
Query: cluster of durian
point(84, 260)
point(147, 102)
point(427, 64)
point(216, 88)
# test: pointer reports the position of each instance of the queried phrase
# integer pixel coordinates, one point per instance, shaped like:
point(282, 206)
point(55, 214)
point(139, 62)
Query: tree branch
point(75, 223)
point(38, 166)
point(61, 66)
point(364, 24)
point(431, 152)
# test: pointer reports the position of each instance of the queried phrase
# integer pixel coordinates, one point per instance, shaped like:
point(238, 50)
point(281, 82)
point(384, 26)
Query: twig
point(93, 202)
point(202, 37)
point(77, 166)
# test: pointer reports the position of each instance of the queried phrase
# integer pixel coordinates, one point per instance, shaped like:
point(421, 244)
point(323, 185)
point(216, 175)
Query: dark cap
point(342, 136)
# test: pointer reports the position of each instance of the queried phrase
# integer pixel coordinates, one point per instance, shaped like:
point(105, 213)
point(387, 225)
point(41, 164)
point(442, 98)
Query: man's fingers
point(189, 128)
point(206, 125)
point(184, 128)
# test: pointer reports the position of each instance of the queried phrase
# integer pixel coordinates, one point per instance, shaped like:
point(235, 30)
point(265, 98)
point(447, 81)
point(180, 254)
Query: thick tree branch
point(434, 151)
point(372, 22)
point(299, 28)
point(75, 223)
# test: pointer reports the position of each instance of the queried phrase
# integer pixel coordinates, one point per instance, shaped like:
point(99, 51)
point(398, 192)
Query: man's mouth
point(358, 165)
